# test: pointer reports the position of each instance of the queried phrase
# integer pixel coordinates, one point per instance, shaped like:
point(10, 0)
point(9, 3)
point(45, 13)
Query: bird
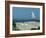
point(33, 15)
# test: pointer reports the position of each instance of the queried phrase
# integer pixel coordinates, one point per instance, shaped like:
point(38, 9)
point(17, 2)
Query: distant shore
point(27, 20)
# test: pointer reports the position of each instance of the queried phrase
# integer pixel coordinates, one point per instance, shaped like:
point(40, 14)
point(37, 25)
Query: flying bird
point(33, 15)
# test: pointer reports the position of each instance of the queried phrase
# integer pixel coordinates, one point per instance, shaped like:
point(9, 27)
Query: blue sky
point(25, 13)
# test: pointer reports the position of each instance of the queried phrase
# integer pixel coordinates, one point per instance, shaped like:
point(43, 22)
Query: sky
point(25, 13)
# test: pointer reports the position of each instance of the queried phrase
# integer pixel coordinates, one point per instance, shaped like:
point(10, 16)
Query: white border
point(27, 31)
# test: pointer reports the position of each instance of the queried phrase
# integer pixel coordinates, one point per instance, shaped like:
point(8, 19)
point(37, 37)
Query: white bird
point(33, 15)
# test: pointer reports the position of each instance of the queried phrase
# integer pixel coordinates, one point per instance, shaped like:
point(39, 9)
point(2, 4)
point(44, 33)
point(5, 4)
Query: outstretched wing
point(33, 15)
